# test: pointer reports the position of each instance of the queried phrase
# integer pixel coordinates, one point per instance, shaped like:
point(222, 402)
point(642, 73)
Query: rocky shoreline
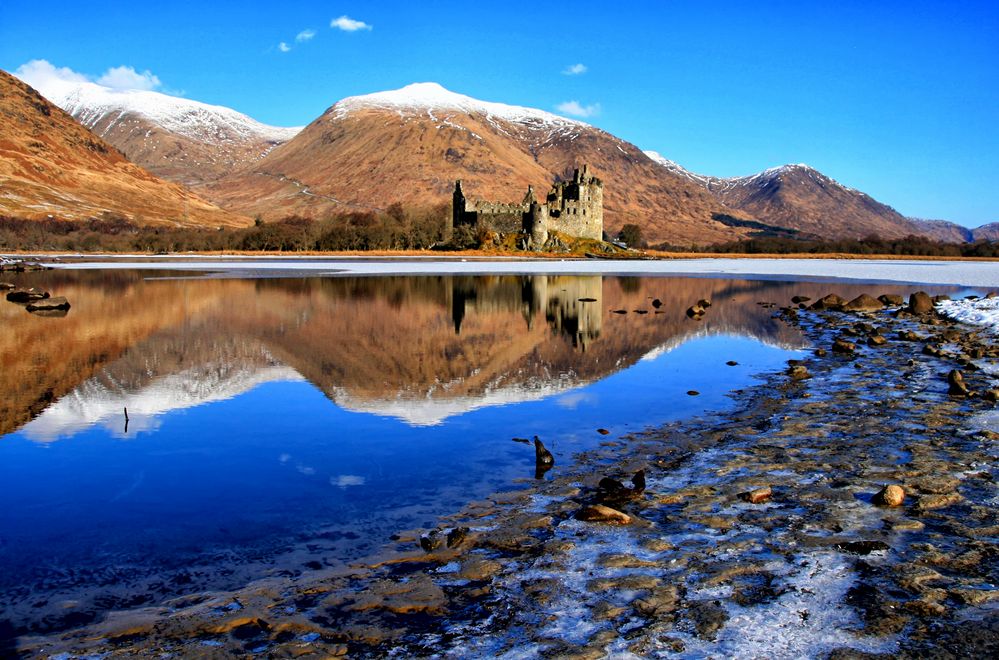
point(757, 532)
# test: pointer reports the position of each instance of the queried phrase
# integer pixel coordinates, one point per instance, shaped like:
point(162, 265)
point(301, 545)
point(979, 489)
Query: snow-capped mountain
point(409, 145)
point(176, 138)
point(799, 198)
point(427, 98)
point(52, 166)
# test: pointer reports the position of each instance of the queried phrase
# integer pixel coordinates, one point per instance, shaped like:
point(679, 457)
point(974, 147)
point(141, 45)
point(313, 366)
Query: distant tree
point(631, 235)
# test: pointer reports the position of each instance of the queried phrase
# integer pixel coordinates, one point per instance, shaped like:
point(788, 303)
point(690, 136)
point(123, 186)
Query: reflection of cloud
point(306, 470)
point(572, 401)
point(284, 458)
point(345, 480)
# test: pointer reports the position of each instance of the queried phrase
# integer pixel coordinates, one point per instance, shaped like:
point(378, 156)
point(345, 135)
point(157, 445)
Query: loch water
point(281, 425)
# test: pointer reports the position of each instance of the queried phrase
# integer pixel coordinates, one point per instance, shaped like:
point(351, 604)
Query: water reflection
point(377, 345)
point(275, 423)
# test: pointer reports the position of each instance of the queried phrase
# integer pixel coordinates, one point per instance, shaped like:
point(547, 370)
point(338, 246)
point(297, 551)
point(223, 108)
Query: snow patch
point(89, 103)
point(428, 97)
point(983, 312)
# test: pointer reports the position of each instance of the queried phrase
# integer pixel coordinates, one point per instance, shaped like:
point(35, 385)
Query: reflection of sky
point(278, 459)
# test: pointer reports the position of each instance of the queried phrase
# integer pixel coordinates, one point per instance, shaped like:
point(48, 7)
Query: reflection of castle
point(575, 208)
point(570, 304)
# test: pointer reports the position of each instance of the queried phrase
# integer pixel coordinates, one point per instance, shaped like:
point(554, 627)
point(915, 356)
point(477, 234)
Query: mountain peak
point(426, 97)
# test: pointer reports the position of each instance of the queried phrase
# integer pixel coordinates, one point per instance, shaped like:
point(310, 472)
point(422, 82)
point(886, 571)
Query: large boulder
point(46, 304)
point(832, 302)
point(920, 303)
point(863, 303)
point(27, 295)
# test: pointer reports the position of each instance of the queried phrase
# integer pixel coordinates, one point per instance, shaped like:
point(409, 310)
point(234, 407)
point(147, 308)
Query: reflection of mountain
point(421, 349)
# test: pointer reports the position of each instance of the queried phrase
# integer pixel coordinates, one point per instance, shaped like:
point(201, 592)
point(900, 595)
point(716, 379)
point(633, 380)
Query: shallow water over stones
point(699, 571)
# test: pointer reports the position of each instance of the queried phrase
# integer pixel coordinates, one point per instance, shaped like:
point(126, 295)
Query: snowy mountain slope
point(410, 145)
point(178, 139)
point(800, 198)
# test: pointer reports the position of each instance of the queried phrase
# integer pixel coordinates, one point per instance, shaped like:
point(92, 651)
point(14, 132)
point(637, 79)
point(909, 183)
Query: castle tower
point(457, 205)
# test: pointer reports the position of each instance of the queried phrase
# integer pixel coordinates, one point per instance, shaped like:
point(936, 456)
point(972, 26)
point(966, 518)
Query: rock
point(863, 547)
point(930, 502)
point(603, 513)
point(541, 454)
point(47, 304)
point(891, 300)
point(695, 312)
point(657, 303)
point(479, 568)
point(843, 346)
point(863, 303)
point(830, 302)
point(27, 295)
point(908, 335)
point(876, 340)
point(991, 294)
point(991, 396)
point(890, 495)
point(820, 352)
point(456, 536)
point(619, 311)
point(692, 393)
point(6, 286)
point(732, 363)
point(940, 298)
point(798, 372)
point(704, 303)
point(757, 495)
point(797, 300)
point(603, 431)
point(920, 303)
point(432, 541)
point(955, 379)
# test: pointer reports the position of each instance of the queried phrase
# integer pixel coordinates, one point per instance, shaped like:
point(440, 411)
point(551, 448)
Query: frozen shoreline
point(977, 274)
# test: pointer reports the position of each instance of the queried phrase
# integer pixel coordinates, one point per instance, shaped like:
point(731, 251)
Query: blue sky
point(898, 99)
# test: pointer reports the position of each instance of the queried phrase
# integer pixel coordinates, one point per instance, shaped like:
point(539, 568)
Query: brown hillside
point(51, 165)
point(368, 152)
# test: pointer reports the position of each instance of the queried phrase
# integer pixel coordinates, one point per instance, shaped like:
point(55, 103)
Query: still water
point(278, 426)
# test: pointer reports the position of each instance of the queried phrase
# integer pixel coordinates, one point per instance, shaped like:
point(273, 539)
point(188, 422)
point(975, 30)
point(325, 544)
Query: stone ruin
point(574, 208)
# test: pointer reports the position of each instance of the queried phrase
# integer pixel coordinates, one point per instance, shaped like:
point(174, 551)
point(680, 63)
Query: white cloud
point(576, 109)
point(348, 24)
point(43, 76)
point(125, 77)
point(283, 47)
point(305, 35)
point(575, 70)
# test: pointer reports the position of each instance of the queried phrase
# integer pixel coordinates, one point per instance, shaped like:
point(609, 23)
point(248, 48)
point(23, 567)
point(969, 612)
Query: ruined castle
point(574, 208)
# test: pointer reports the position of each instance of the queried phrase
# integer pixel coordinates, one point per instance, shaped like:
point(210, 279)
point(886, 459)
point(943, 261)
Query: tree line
point(912, 246)
point(396, 228)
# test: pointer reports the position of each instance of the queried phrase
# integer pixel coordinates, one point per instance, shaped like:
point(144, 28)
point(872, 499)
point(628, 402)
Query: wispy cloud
point(43, 76)
point(575, 70)
point(348, 24)
point(305, 35)
point(283, 47)
point(125, 77)
point(576, 109)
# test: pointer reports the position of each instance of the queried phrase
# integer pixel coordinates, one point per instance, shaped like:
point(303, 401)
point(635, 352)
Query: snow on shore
point(976, 274)
point(983, 312)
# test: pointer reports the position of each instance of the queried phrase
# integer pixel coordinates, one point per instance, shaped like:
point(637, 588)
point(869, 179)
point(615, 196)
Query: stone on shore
point(863, 303)
point(46, 304)
point(955, 379)
point(891, 495)
point(831, 302)
point(798, 372)
point(603, 513)
point(27, 295)
point(843, 346)
point(757, 495)
point(891, 300)
point(920, 303)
